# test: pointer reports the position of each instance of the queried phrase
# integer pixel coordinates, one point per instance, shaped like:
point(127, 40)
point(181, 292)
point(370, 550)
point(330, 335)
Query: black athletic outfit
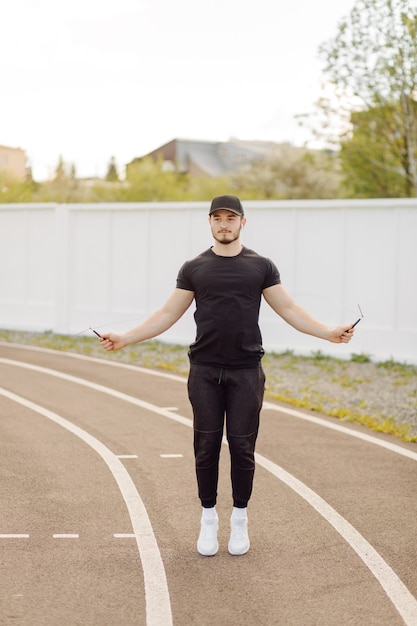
point(226, 377)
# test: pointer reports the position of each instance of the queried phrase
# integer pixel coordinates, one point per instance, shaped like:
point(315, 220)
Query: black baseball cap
point(231, 203)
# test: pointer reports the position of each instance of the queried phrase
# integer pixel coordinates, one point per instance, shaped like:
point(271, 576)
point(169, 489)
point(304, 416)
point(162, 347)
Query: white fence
point(67, 267)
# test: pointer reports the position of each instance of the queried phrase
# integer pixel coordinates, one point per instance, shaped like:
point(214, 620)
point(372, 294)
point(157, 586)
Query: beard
point(226, 238)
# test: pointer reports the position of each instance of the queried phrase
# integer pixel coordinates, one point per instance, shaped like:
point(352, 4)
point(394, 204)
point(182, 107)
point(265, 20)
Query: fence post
point(61, 268)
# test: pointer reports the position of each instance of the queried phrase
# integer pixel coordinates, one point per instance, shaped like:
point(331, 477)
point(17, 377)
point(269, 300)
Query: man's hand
point(341, 334)
point(112, 341)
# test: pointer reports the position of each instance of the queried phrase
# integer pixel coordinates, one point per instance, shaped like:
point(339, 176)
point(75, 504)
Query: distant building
point(13, 161)
point(207, 158)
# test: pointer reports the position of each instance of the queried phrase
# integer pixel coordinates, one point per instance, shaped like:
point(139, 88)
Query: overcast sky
point(91, 79)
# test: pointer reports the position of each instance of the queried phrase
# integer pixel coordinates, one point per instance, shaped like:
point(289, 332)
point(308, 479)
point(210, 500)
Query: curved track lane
point(332, 520)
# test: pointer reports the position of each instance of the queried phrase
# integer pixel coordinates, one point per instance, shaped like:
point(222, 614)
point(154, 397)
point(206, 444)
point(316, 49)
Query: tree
point(148, 182)
point(15, 190)
point(61, 170)
point(291, 173)
point(63, 187)
point(112, 175)
point(372, 61)
point(370, 169)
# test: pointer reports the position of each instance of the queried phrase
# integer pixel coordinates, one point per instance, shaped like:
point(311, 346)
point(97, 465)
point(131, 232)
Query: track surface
point(99, 515)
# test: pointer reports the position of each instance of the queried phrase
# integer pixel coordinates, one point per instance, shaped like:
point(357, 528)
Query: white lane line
point(392, 447)
point(171, 456)
point(101, 388)
point(181, 379)
point(63, 536)
point(93, 359)
point(399, 595)
point(402, 599)
point(158, 607)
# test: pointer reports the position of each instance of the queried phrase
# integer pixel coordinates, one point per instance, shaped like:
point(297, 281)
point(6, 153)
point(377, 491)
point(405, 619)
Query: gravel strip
point(384, 392)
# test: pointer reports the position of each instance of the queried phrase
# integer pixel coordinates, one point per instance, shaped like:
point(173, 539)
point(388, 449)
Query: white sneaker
point(207, 543)
point(239, 539)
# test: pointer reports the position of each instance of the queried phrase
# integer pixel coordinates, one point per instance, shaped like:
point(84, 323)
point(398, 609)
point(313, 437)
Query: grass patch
point(398, 368)
point(360, 358)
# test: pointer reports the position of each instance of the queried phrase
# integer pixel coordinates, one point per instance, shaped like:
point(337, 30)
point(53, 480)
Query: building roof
point(211, 158)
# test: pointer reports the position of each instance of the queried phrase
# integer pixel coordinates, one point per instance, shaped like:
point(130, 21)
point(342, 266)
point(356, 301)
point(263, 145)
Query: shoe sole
point(208, 553)
point(234, 553)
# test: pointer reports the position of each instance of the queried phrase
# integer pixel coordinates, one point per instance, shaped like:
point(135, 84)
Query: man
point(226, 379)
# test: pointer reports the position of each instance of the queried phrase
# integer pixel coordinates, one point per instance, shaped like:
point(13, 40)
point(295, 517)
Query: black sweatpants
point(237, 395)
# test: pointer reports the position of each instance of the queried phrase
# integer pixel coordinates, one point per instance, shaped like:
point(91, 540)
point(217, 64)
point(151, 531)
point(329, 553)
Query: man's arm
point(282, 303)
point(156, 324)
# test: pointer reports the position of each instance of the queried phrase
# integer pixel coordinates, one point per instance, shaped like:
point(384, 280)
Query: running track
point(99, 515)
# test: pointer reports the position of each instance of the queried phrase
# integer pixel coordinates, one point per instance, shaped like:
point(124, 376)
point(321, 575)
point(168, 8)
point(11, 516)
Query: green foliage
point(148, 182)
point(291, 173)
point(64, 187)
point(399, 368)
point(370, 169)
point(318, 355)
point(204, 189)
point(360, 358)
point(112, 175)
point(15, 190)
point(373, 54)
point(372, 62)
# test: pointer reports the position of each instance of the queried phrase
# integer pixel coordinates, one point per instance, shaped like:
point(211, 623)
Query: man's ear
point(243, 222)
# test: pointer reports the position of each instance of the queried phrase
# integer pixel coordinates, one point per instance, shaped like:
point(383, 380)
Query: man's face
point(226, 225)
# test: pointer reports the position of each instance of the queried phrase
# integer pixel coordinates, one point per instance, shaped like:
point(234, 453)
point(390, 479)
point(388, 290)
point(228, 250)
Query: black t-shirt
point(228, 294)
